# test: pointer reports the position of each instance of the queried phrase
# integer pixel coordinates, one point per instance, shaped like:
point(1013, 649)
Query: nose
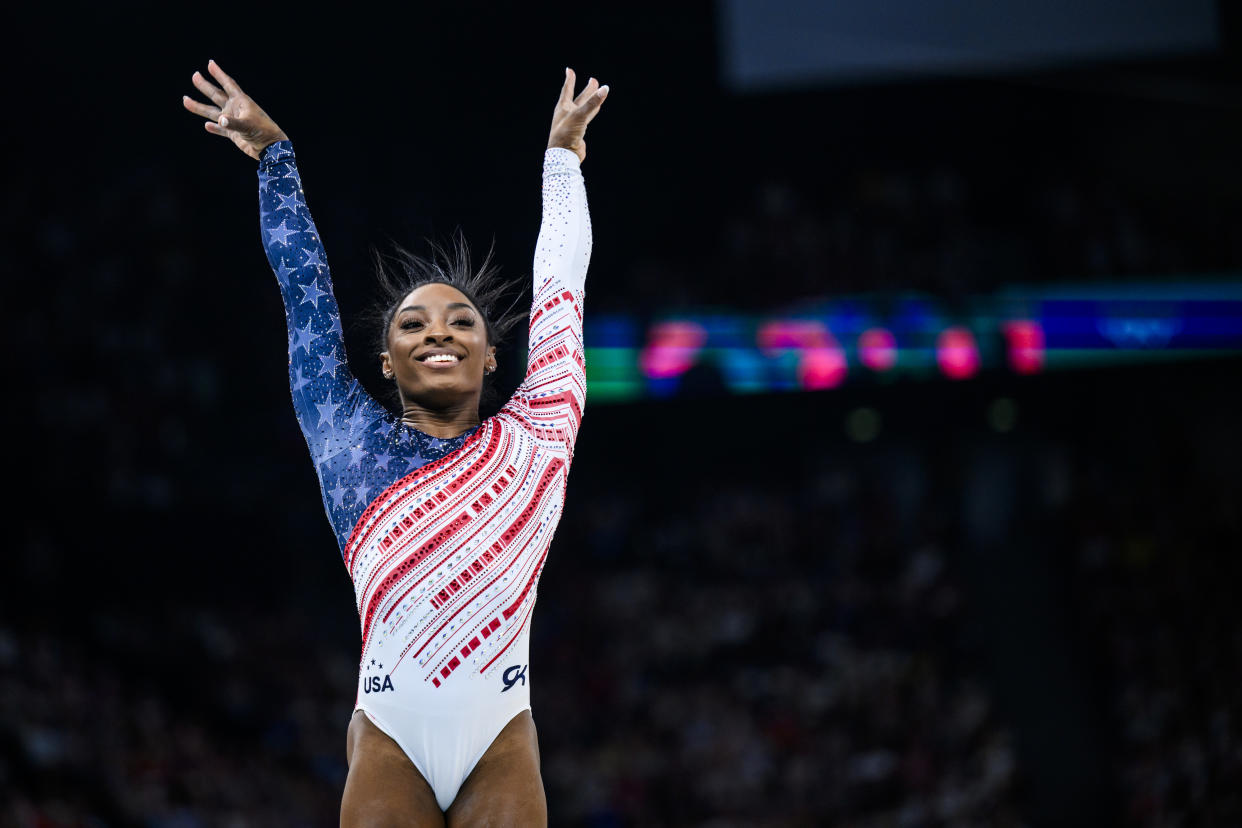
point(437, 330)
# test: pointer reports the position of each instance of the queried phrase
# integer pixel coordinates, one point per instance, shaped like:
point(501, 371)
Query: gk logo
point(512, 675)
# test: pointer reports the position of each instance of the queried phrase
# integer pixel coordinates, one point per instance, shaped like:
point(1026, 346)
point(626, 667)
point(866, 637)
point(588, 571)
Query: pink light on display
point(821, 363)
point(822, 368)
point(957, 353)
point(1025, 338)
point(672, 348)
point(877, 349)
point(792, 333)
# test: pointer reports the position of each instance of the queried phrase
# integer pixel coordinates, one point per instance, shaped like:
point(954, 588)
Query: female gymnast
point(443, 521)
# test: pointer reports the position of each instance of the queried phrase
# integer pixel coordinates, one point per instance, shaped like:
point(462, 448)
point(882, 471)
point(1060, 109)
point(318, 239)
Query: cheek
point(399, 341)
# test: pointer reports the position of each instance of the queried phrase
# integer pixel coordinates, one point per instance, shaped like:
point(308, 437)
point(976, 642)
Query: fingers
point(209, 89)
point(567, 88)
point(592, 104)
point(228, 83)
point(591, 88)
point(215, 129)
point(211, 113)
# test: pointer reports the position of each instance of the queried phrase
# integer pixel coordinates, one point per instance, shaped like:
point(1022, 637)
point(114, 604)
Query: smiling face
point(437, 348)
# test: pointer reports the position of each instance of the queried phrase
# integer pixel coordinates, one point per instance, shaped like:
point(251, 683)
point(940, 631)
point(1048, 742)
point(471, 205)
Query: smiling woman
point(469, 302)
point(444, 520)
point(438, 353)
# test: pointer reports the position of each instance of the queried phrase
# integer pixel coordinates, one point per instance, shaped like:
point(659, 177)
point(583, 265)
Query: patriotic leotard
point(444, 539)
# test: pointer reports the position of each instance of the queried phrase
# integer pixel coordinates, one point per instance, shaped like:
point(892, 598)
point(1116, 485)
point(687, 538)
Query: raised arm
point(552, 396)
point(331, 407)
point(564, 247)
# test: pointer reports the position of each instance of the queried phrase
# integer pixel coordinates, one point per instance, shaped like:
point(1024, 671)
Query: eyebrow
point(451, 306)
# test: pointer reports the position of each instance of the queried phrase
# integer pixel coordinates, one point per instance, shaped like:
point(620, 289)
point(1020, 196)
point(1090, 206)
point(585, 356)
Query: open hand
point(233, 114)
point(571, 116)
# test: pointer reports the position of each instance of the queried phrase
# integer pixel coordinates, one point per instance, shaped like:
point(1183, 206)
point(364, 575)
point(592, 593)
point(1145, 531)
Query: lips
point(440, 358)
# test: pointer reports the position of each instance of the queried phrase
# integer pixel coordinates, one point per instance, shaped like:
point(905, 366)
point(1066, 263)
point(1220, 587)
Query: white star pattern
point(264, 180)
point(328, 364)
point(289, 202)
point(338, 496)
point(299, 381)
point(304, 338)
point(281, 233)
point(311, 293)
point(312, 257)
point(326, 412)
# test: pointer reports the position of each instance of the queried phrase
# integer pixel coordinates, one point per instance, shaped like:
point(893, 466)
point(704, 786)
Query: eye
point(465, 320)
point(409, 324)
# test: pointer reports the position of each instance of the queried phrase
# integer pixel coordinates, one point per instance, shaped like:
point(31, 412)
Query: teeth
point(441, 358)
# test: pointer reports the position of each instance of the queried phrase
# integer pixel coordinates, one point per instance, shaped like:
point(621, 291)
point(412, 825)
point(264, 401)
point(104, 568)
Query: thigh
point(505, 787)
point(383, 787)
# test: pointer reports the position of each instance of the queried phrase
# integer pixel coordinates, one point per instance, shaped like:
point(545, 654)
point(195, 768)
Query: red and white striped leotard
point(446, 560)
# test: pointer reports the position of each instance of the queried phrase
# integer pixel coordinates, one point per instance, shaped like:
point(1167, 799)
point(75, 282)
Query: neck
point(443, 423)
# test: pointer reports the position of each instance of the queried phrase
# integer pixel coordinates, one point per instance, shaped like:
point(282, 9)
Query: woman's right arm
point(331, 406)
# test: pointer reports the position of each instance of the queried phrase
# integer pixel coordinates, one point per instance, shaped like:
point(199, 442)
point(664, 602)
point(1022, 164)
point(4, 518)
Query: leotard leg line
point(445, 736)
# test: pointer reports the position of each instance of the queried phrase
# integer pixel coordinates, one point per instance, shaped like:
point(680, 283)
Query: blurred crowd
point(943, 226)
point(1155, 533)
point(199, 719)
point(956, 230)
point(784, 652)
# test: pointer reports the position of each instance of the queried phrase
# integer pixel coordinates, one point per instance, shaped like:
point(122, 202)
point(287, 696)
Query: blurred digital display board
point(826, 344)
point(780, 43)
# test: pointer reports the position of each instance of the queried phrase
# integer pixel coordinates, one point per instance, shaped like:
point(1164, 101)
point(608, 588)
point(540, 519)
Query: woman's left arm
point(564, 247)
point(553, 393)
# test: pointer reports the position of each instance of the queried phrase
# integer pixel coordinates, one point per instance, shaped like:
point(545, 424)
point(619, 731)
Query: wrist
point(270, 139)
point(561, 148)
point(561, 160)
point(280, 149)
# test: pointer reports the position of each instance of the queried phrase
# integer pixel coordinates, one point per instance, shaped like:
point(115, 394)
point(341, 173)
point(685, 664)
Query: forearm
point(290, 238)
point(563, 251)
point(317, 369)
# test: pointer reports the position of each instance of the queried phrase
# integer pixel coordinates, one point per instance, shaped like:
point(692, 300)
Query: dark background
point(748, 617)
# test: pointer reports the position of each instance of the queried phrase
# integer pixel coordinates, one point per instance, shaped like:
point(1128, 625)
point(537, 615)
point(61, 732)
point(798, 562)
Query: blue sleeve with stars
point(359, 447)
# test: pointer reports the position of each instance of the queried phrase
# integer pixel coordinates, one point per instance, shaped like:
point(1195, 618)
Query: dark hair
point(402, 271)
